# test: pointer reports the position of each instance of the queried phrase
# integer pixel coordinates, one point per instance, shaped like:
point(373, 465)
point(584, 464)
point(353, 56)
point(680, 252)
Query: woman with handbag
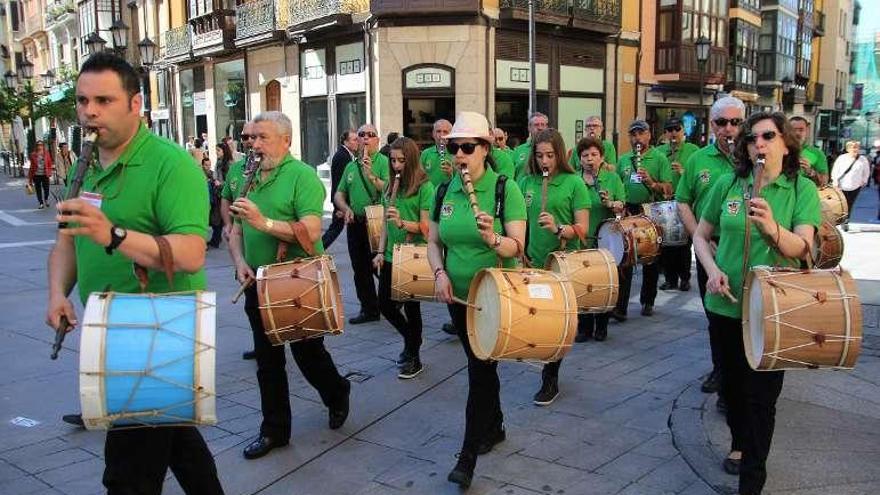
point(850, 174)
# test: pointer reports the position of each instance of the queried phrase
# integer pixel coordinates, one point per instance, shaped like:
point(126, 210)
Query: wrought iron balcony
point(260, 20)
point(178, 43)
point(597, 15)
point(304, 11)
point(546, 11)
point(213, 32)
point(58, 12)
point(417, 8)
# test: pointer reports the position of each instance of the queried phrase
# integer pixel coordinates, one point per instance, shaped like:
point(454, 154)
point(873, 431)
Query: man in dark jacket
point(344, 154)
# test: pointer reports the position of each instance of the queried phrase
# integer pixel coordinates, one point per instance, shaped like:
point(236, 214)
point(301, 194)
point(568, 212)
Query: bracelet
point(497, 243)
point(438, 271)
point(560, 231)
point(778, 234)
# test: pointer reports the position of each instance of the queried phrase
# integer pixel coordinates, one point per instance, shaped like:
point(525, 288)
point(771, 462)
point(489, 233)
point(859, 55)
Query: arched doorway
point(273, 96)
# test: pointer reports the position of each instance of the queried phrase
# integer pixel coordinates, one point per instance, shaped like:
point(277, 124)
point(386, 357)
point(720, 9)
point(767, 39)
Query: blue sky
point(869, 22)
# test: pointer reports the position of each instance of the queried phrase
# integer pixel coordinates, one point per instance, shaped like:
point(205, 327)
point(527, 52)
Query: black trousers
point(676, 263)
point(850, 199)
point(714, 333)
point(313, 361)
point(41, 185)
point(362, 265)
point(650, 275)
point(333, 231)
point(409, 322)
point(590, 322)
point(483, 411)
point(751, 404)
point(138, 458)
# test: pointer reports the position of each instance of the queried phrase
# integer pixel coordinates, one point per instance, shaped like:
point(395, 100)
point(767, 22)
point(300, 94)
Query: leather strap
point(301, 232)
point(166, 259)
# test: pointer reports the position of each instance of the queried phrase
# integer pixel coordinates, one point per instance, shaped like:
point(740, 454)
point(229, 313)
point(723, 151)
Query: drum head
point(754, 337)
point(487, 321)
point(611, 239)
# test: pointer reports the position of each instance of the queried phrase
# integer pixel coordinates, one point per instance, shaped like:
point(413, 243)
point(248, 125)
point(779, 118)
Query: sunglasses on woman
point(722, 122)
point(466, 148)
point(752, 138)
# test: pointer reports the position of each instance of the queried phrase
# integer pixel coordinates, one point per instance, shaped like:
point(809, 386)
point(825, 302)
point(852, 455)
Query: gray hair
point(724, 103)
point(535, 115)
point(595, 117)
point(281, 121)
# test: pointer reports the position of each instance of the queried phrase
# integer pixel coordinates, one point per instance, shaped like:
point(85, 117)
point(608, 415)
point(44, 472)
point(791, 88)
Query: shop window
point(230, 96)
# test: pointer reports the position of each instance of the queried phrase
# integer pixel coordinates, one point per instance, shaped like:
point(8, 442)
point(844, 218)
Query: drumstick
point(726, 293)
point(241, 290)
point(465, 303)
point(469, 187)
point(60, 333)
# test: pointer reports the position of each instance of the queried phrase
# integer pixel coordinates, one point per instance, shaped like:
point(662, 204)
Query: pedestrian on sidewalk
point(65, 161)
point(39, 172)
point(781, 219)
point(348, 143)
point(850, 174)
point(459, 247)
point(406, 222)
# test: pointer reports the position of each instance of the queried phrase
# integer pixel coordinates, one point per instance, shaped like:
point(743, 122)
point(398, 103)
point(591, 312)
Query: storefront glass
point(230, 96)
point(315, 125)
point(351, 112)
point(187, 89)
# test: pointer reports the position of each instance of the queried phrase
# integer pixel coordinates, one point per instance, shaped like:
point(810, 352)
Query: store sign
point(313, 75)
point(351, 76)
point(517, 75)
point(199, 104)
point(160, 114)
point(433, 77)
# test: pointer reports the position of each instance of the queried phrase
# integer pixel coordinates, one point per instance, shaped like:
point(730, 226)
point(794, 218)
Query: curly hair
point(790, 163)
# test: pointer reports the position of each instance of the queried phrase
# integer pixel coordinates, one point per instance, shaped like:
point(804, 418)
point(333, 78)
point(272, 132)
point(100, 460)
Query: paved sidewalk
point(630, 419)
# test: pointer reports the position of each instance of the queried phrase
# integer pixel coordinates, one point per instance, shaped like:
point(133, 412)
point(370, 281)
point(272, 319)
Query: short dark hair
point(392, 136)
point(105, 61)
point(345, 135)
point(798, 117)
point(589, 142)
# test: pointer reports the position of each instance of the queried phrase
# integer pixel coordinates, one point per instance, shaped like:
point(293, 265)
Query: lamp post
point(25, 73)
point(95, 43)
point(148, 52)
point(786, 84)
point(703, 47)
point(119, 30)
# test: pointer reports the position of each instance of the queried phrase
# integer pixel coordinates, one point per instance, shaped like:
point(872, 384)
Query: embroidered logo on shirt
point(528, 199)
point(446, 210)
point(349, 178)
point(704, 176)
point(733, 207)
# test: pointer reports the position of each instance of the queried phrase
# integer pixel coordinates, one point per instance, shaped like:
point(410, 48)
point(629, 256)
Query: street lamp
point(148, 51)
point(95, 43)
point(11, 79)
point(48, 79)
point(26, 69)
point(786, 84)
point(703, 46)
point(120, 35)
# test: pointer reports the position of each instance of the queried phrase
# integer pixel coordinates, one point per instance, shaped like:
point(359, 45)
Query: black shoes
point(249, 355)
point(731, 466)
point(449, 328)
point(684, 285)
point(668, 286)
point(582, 337)
point(338, 415)
point(712, 382)
point(410, 369)
point(548, 393)
point(497, 436)
point(73, 419)
point(363, 318)
point(647, 310)
point(262, 446)
point(601, 333)
point(463, 472)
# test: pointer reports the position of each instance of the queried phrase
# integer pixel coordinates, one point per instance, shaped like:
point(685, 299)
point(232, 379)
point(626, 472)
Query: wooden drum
point(833, 202)
point(375, 223)
point(827, 246)
point(794, 319)
point(593, 276)
point(411, 275)
point(300, 299)
point(518, 314)
point(631, 240)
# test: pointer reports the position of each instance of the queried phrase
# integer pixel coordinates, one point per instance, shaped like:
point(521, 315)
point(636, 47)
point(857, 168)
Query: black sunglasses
point(367, 134)
point(248, 137)
point(675, 128)
point(722, 122)
point(466, 148)
point(752, 138)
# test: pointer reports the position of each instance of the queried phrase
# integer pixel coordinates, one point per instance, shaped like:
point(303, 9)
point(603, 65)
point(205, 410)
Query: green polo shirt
point(466, 253)
point(701, 172)
point(610, 155)
point(682, 155)
point(431, 160)
point(235, 170)
point(521, 159)
point(291, 191)
point(354, 188)
point(657, 166)
point(816, 157)
point(566, 194)
point(610, 182)
point(410, 209)
point(792, 205)
point(503, 163)
point(153, 188)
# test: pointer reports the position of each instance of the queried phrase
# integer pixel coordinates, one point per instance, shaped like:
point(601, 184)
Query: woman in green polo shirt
point(404, 219)
point(460, 244)
point(783, 216)
point(565, 216)
point(607, 199)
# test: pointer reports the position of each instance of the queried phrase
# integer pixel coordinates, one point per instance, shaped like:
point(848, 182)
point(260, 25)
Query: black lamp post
point(119, 30)
point(25, 73)
point(786, 83)
point(95, 43)
point(703, 46)
point(11, 80)
point(148, 52)
point(48, 79)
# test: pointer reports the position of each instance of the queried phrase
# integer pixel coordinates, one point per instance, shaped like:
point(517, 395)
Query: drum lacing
point(198, 348)
point(296, 302)
point(816, 337)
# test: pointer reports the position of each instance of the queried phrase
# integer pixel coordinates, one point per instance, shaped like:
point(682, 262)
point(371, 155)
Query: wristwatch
point(117, 235)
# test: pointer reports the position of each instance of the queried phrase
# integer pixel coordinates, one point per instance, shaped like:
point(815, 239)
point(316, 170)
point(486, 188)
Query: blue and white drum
point(147, 360)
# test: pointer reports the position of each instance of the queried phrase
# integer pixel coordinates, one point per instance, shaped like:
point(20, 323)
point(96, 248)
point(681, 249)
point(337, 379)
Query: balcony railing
point(421, 8)
point(553, 7)
point(57, 12)
point(603, 11)
point(303, 11)
point(178, 42)
point(260, 18)
point(596, 15)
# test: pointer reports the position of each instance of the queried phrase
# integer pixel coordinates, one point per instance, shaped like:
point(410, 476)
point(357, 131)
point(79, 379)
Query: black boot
point(601, 328)
point(463, 472)
point(549, 390)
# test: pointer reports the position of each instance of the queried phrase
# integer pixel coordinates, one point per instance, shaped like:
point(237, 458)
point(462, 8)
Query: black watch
point(117, 235)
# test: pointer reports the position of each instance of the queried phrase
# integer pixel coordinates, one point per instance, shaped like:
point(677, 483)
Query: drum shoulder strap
point(500, 187)
point(438, 200)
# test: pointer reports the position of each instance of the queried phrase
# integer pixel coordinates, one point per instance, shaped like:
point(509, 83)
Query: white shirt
point(857, 176)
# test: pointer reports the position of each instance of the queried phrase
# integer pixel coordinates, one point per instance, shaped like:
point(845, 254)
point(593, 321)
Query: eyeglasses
point(367, 134)
point(674, 128)
point(722, 122)
point(752, 138)
point(247, 137)
point(466, 148)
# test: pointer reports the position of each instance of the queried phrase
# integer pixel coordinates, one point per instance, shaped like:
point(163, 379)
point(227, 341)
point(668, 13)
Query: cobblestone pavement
point(630, 418)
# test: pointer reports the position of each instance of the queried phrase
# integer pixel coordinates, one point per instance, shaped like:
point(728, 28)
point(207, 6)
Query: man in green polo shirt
point(647, 176)
point(361, 185)
point(701, 173)
point(500, 136)
point(676, 260)
point(537, 123)
point(436, 161)
point(594, 128)
point(814, 163)
point(143, 191)
point(285, 204)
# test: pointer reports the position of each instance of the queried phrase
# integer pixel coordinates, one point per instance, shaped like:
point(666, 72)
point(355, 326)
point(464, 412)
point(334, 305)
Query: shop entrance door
point(420, 113)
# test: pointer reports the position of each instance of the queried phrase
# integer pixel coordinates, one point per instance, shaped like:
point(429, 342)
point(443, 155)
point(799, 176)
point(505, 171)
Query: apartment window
point(15, 15)
point(162, 86)
point(199, 7)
